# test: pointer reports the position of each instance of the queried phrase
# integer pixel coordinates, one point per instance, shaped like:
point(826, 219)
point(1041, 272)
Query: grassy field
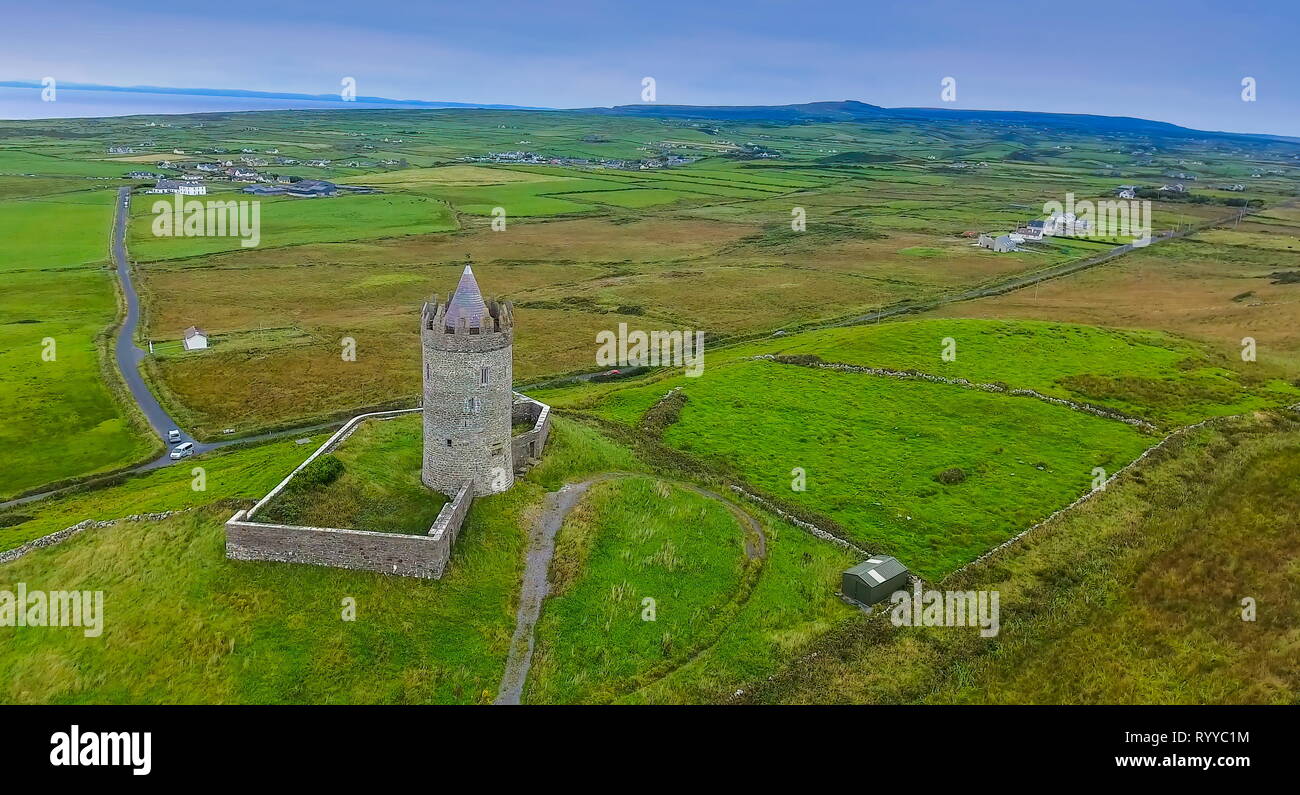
point(12, 187)
point(707, 245)
point(418, 178)
point(1202, 288)
point(1136, 598)
point(17, 162)
point(872, 450)
point(628, 541)
point(203, 629)
point(1112, 602)
point(379, 487)
point(1152, 375)
point(287, 221)
point(55, 232)
point(61, 417)
point(232, 474)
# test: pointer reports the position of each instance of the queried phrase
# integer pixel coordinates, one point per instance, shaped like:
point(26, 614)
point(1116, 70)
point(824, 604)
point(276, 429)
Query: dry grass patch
point(1189, 289)
point(453, 175)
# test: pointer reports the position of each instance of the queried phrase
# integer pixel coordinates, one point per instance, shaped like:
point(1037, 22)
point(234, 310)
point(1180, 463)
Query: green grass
point(55, 232)
point(61, 420)
point(793, 603)
point(870, 447)
point(13, 161)
point(631, 197)
point(379, 490)
point(27, 187)
point(199, 628)
point(288, 221)
point(246, 473)
point(521, 199)
point(628, 541)
point(183, 624)
point(1135, 598)
point(1149, 374)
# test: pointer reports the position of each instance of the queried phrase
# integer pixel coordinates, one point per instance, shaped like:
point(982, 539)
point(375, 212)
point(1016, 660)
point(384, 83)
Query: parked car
point(182, 450)
point(173, 435)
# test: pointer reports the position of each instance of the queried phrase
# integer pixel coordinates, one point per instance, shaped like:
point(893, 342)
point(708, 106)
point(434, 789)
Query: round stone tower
point(467, 345)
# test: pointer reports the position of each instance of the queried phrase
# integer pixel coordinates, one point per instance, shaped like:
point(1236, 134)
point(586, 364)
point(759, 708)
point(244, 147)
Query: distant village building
point(1031, 231)
point(196, 339)
point(179, 187)
point(1000, 244)
point(1067, 224)
point(303, 188)
point(311, 188)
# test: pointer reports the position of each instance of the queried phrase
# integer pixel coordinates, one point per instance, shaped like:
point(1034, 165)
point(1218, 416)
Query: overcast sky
point(1181, 61)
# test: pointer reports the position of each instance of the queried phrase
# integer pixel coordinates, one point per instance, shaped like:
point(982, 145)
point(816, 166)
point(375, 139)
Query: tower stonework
point(468, 345)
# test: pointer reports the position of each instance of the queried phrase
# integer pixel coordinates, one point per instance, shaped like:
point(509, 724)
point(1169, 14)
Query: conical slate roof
point(467, 303)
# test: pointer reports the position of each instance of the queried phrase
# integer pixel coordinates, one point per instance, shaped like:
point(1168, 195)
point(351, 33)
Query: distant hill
point(851, 110)
point(848, 110)
point(804, 113)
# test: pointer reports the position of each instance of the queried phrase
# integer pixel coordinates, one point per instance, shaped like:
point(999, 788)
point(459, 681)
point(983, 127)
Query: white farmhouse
point(1001, 244)
point(196, 339)
point(182, 188)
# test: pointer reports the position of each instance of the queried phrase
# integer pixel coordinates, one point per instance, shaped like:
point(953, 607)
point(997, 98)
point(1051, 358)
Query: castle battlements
point(435, 317)
point(466, 312)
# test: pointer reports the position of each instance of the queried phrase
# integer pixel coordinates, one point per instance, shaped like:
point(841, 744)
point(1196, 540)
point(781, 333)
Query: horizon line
point(238, 93)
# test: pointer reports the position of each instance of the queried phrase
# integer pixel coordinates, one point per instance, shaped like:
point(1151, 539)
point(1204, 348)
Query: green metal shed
point(874, 579)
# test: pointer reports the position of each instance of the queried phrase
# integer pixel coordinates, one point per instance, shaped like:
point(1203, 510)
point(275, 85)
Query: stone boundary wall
point(59, 536)
point(408, 555)
point(525, 408)
point(797, 522)
point(916, 375)
point(453, 514)
point(387, 553)
point(1088, 495)
point(1010, 542)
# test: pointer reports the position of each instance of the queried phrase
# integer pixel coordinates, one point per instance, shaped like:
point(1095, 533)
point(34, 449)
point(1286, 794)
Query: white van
point(182, 450)
point(173, 435)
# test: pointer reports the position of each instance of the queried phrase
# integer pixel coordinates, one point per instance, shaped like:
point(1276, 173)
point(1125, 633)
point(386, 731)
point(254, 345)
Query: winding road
point(127, 354)
point(129, 358)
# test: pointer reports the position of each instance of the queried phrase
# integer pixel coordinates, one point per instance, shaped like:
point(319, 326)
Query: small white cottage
point(196, 339)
